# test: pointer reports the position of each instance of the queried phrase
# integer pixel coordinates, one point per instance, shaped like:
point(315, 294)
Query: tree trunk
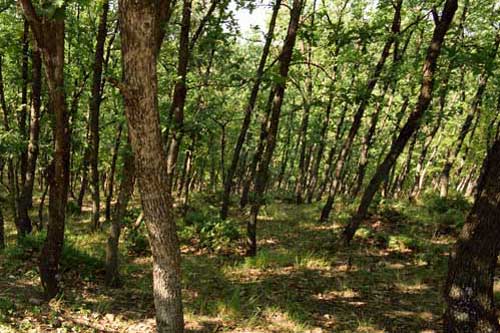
point(272, 125)
point(125, 193)
point(413, 122)
point(228, 181)
point(94, 114)
point(140, 23)
point(49, 35)
point(469, 286)
point(466, 126)
point(180, 91)
point(358, 116)
point(26, 198)
point(111, 182)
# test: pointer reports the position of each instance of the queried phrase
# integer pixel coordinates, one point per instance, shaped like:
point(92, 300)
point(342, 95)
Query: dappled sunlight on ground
point(387, 282)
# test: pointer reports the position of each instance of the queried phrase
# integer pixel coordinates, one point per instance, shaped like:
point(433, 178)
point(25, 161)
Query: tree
point(228, 182)
point(442, 24)
point(94, 112)
point(140, 23)
point(48, 31)
point(270, 127)
point(469, 286)
point(358, 116)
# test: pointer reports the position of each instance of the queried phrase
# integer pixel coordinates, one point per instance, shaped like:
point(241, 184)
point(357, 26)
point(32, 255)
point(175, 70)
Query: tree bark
point(49, 35)
point(140, 23)
point(413, 122)
point(469, 286)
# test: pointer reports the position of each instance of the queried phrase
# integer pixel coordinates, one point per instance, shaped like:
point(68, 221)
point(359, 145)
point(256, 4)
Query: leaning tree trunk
point(140, 24)
point(413, 122)
point(469, 287)
point(94, 113)
point(444, 179)
point(358, 116)
point(278, 93)
point(228, 182)
point(49, 35)
point(125, 193)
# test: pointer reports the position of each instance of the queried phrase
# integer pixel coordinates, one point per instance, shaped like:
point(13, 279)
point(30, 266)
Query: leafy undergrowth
point(300, 281)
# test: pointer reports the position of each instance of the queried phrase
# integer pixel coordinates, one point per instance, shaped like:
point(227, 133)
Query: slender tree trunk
point(180, 91)
point(442, 25)
point(120, 209)
point(23, 115)
point(319, 153)
point(94, 113)
point(140, 23)
point(26, 198)
point(466, 126)
point(111, 182)
point(358, 116)
point(278, 93)
point(469, 286)
point(22, 230)
point(228, 181)
point(2, 231)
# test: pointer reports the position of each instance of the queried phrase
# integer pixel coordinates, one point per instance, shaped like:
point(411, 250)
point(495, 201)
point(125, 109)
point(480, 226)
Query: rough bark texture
point(278, 93)
point(469, 287)
point(49, 35)
point(228, 181)
point(413, 122)
point(139, 22)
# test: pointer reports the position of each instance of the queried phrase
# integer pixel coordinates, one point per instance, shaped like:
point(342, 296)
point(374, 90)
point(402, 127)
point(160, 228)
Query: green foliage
point(212, 232)
point(403, 242)
point(436, 204)
point(136, 241)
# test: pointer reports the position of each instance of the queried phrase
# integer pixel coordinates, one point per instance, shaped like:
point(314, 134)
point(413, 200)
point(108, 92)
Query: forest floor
point(390, 280)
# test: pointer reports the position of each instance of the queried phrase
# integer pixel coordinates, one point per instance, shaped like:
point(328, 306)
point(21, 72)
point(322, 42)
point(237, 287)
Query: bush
point(436, 204)
point(212, 232)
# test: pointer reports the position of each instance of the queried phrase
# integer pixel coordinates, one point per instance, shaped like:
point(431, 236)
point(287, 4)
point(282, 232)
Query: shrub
point(211, 231)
